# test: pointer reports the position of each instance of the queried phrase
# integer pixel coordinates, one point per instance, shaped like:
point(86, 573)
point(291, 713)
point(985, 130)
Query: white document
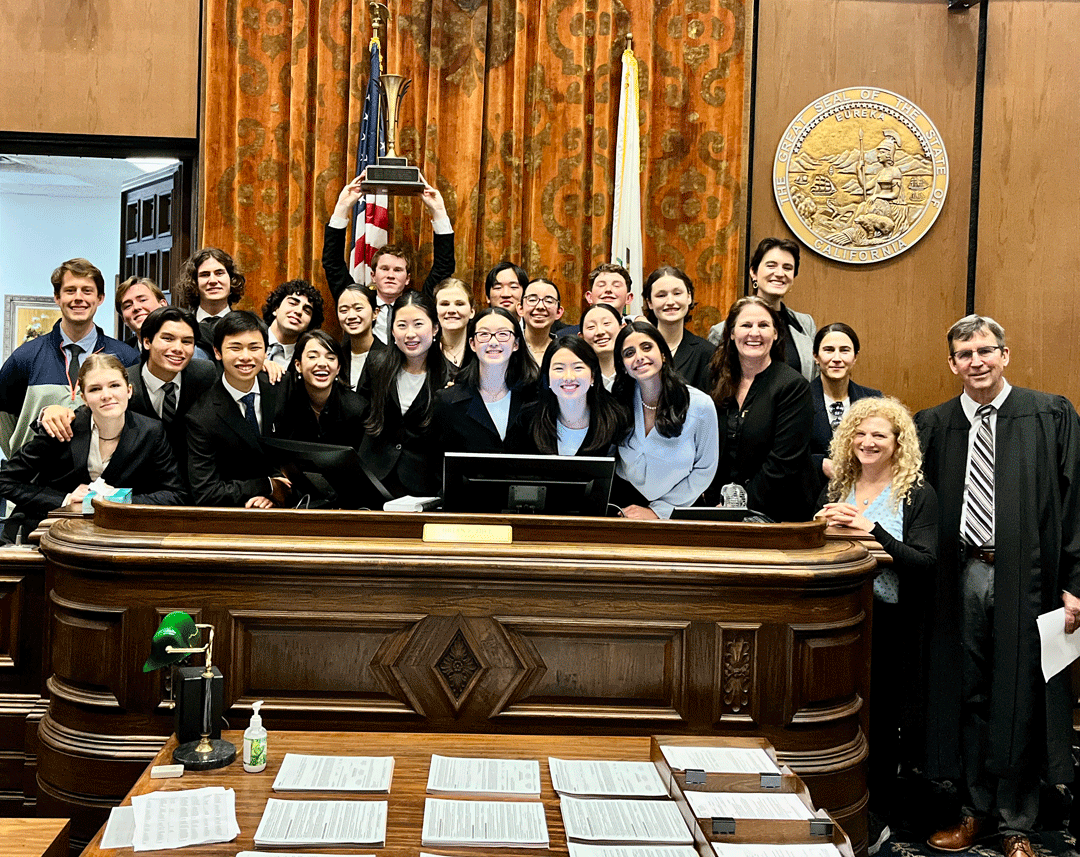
point(581, 849)
point(604, 778)
point(1058, 648)
point(301, 773)
point(120, 828)
point(507, 824)
point(720, 760)
point(763, 806)
point(322, 822)
point(484, 776)
point(176, 819)
point(756, 850)
point(656, 821)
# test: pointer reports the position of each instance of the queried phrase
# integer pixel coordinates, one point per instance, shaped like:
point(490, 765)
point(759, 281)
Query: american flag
point(370, 215)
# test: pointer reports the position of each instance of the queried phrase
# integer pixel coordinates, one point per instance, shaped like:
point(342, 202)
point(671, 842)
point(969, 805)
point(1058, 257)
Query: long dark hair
point(607, 419)
point(385, 365)
point(521, 369)
point(368, 294)
point(674, 399)
point(326, 341)
point(725, 370)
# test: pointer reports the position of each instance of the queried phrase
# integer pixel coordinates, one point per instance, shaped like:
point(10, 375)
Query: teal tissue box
point(120, 495)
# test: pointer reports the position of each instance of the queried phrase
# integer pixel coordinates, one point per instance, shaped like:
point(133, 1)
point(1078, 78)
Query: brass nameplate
point(485, 534)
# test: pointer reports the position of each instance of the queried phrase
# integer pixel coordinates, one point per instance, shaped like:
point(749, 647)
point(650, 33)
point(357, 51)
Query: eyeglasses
point(985, 353)
point(503, 335)
point(533, 300)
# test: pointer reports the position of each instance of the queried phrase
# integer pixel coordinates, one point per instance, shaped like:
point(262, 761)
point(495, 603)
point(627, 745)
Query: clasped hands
point(845, 515)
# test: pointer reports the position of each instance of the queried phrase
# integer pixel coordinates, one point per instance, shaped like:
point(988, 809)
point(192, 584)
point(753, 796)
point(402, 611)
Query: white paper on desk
point(177, 819)
point(300, 772)
point(581, 849)
point(730, 849)
point(1058, 648)
point(628, 821)
point(322, 822)
point(513, 824)
point(484, 776)
point(120, 828)
point(719, 760)
point(745, 805)
point(605, 778)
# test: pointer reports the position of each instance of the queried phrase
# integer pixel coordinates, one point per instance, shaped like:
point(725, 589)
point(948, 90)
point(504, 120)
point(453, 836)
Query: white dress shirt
point(155, 388)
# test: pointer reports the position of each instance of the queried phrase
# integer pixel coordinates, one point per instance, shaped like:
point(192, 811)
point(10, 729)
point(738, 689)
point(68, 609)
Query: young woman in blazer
point(125, 449)
point(320, 407)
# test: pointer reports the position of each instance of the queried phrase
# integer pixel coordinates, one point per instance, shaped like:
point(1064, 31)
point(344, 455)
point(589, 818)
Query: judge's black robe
point(1037, 547)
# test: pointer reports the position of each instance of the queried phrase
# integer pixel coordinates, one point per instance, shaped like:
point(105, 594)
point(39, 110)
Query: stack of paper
point(631, 821)
point(757, 850)
point(493, 824)
point(748, 805)
point(607, 779)
point(301, 773)
point(322, 822)
point(720, 760)
point(176, 819)
point(484, 776)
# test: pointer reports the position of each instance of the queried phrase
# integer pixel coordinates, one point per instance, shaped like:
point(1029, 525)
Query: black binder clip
point(723, 826)
point(770, 780)
point(821, 827)
point(695, 777)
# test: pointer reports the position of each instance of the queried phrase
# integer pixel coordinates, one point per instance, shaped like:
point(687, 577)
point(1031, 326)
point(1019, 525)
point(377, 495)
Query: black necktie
point(73, 363)
point(249, 411)
point(168, 404)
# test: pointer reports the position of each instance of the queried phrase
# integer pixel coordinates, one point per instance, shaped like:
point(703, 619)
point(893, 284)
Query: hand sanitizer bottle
point(255, 742)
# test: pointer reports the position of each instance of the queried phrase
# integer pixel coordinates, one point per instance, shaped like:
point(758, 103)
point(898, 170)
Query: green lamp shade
point(177, 630)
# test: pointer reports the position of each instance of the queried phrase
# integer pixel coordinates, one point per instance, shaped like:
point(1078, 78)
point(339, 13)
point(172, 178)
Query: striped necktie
point(168, 404)
point(979, 506)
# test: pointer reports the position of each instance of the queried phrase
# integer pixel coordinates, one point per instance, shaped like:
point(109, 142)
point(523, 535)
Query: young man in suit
point(44, 370)
point(292, 309)
point(210, 286)
point(1005, 463)
point(391, 265)
point(136, 298)
point(226, 462)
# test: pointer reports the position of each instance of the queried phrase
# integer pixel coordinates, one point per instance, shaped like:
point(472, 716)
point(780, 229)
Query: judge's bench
point(374, 621)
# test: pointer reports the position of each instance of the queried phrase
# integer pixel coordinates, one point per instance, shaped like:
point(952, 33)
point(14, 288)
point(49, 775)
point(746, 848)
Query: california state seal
point(860, 175)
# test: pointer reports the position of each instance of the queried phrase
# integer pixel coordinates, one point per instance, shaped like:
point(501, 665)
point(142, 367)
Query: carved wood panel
point(735, 689)
point(76, 630)
point(825, 664)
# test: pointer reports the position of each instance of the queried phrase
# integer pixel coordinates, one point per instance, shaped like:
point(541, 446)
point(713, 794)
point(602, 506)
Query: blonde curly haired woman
point(877, 489)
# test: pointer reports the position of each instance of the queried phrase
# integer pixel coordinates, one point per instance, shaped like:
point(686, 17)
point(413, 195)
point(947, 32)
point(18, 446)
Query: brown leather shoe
point(963, 836)
point(1017, 846)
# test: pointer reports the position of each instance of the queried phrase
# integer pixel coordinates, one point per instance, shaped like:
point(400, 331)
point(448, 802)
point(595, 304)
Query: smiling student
point(290, 310)
point(498, 378)
point(600, 325)
point(670, 456)
point(356, 308)
point(321, 408)
point(668, 295)
point(454, 307)
point(226, 462)
point(210, 285)
point(541, 307)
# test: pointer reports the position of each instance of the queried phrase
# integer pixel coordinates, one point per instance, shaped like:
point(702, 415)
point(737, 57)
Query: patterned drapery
point(511, 115)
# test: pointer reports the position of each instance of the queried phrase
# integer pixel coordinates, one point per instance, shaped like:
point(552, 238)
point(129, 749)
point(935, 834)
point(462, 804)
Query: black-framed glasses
point(503, 335)
point(985, 353)
point(548, 301)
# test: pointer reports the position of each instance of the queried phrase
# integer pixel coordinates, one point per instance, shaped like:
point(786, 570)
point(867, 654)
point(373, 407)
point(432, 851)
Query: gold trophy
point(392, 174)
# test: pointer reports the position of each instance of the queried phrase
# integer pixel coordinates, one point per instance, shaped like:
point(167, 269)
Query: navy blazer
point(226, 462)
point(821, 431)
point(45, 470)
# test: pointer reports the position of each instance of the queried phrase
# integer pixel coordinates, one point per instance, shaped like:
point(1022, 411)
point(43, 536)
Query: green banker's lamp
point(198, 704)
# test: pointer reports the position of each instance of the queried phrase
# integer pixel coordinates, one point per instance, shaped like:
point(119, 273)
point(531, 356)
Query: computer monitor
point(527, 484)
point(329, 476)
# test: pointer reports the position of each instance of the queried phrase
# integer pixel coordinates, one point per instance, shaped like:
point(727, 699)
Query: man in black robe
point(1008, 482)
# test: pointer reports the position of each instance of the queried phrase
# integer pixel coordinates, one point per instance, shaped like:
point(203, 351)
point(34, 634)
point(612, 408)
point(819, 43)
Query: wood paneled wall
point(1029, 212)
point(128, 68)
point(900, 308)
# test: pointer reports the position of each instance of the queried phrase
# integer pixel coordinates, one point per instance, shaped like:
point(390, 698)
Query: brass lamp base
point(205, 754)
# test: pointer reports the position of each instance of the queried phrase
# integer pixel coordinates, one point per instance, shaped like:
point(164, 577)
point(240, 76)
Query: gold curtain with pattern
point(511, 115)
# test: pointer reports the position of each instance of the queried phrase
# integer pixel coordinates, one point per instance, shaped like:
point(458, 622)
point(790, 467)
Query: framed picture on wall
point(27, 317)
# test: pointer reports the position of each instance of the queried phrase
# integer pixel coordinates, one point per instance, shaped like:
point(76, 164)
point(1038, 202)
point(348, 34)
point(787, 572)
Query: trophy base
point(220, 754)
point(395, 179)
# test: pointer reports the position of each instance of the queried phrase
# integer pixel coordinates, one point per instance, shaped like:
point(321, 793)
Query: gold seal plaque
point(860, 175)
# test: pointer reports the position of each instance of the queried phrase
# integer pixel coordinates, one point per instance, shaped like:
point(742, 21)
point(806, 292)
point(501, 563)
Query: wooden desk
point(34, 837)
point(352, 621)
point(405, 813)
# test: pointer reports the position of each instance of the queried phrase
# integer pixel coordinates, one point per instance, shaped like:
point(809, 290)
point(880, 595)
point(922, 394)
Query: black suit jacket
point(821, 433)
point(464, 423)
point(226, 462)
point(341, 422)
point(338, 276)
point(693, 359)
point(196, 378)
point(45, 470)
